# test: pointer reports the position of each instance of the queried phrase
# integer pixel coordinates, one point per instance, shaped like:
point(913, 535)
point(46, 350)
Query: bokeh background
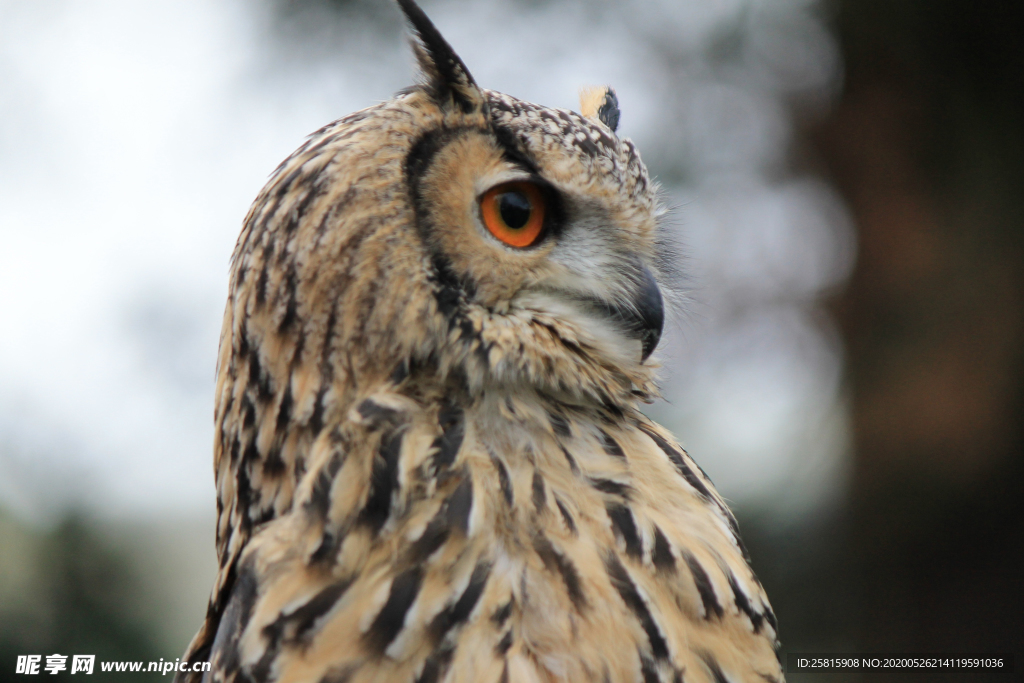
point(847, 181)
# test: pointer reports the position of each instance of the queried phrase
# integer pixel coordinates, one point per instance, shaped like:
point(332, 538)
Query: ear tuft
point(601, 104)
point(448, 79)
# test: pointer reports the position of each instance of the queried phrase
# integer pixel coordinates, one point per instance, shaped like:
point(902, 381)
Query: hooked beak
point(646, 317)
point(650, 316)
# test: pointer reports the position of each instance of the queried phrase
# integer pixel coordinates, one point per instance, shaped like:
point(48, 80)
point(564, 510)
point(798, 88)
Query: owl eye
point(514, 213)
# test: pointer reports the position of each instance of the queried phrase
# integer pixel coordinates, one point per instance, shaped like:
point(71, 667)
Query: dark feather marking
point(340, 674)
point(332, 213)
point(450, 440)
point(251, 454)
point(326, 369)
point(320, 496)
point(224, 545)
point(587, 145)
point(285, 184)
point(316, 421)
point(264, 516)
point(369, 293)
point(248, 412)
point(291, 311)
point(648, 670)
point(423, 151)
point(610, 445)
point(300, 347)
point(743, 604)
point(226, 410)
point(572, 461)
point(704, 587)
point(513, 148)
point(555, 561)
point(299, 211)
point(661, 556)
point(337, 436)
point(436, 665)
point(540, 498)
point(375, 414)
point(388, 623)
point(713, 667)
point(611, 487)
point(504, 644)
point(701, 470)
point(304, 618)
point(631, 596)
point(390, 449)
point(503, 480)
point(504, 673)
point(243, 497)
point(458, 612)
point(450, 290)
point(401, 372)
point(284, 412)
point(328, 547)
point(695, 481)
point(383, 481)
point(770, 616)
point(614, 412)
point(256, 230)
point(460, 504)
point(560, 425)
point(569, 522)
point(434, 535)
point(502, 614)
point(569, 344)
point(258, 379)
point(677, 459)
point(735, 526)
point(625, 527)
point(295, 625)
point(577, 350)
point(242, 271)
point(218, 602)
point(261, 284)
point(236, 615)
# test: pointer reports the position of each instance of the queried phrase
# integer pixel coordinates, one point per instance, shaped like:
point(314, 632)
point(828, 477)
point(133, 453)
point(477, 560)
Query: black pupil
point(514, 208)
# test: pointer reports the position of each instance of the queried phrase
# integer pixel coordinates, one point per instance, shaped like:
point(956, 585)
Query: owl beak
point(645, 316)
point(649, 314)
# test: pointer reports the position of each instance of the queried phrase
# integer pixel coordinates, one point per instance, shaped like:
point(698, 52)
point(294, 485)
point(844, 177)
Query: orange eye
point(514, 213)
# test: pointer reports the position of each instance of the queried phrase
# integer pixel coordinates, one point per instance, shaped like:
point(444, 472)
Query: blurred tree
point(927, 145)
point(64, 592)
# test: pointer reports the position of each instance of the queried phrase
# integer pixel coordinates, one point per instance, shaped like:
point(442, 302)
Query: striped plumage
point(430, 460)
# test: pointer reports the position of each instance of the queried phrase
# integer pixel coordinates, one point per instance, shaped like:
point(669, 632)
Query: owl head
point(455, 231)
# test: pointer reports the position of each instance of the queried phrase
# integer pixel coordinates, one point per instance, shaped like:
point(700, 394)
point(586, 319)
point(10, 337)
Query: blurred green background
point(890, 522)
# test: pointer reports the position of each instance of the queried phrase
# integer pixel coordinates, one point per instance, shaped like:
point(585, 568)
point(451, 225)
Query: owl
point(430, 458)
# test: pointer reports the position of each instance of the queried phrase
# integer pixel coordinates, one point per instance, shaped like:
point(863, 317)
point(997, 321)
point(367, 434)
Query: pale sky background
point(134, 135)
